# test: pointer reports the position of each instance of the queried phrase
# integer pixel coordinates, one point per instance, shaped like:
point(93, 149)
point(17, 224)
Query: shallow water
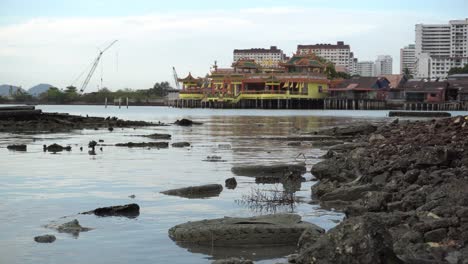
point(37, 188)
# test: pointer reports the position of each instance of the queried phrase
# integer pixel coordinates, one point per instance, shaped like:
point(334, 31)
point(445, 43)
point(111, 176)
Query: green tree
point(160, 89)
point(53, 95)
point(407, 73)
point(458, 70)
point(71, 94)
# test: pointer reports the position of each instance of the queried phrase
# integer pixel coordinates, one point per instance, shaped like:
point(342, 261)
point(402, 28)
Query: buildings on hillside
point(440, 47)
point(383, 65)
point(339, 54)
point(407, 59)
point(265, 57)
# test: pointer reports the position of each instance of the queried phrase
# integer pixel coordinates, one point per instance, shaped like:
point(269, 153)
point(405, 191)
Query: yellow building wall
point(314, 90)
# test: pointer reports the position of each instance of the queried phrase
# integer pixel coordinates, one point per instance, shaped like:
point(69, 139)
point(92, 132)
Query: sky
point(56, 41)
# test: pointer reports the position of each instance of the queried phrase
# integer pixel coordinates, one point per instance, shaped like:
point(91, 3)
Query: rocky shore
point(30, 120)
point(404, 189)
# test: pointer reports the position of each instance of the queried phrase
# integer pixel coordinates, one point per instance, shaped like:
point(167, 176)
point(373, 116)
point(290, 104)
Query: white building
point(383, 65)
point(407, 58)
point(265, 57)
point(440, 47)
point(339, 54)
point(366, 69)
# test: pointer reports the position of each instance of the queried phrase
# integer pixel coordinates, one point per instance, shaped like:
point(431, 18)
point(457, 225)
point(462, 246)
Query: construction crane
point(93, 68)
point(176, 78)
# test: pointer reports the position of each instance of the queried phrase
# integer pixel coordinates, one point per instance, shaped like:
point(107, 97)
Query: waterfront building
point(339, 54)
point(383, 65)
point(365, 69)
point(360, 88)
point(440, 47)
point(407, 59)
point(267, 58)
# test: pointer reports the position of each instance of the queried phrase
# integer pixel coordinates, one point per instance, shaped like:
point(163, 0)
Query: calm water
point(37, 188)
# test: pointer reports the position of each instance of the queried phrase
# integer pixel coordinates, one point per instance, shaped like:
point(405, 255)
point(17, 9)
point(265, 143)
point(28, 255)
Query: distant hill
point(5, 89)
point(39, 89)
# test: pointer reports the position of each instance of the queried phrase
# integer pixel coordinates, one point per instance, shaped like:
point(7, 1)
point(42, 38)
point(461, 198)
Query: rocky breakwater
point(28, 119)
point(404, 189)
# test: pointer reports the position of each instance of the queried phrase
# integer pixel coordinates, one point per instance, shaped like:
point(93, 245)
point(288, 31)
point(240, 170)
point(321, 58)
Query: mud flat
point(27, 119)
point(403, 187)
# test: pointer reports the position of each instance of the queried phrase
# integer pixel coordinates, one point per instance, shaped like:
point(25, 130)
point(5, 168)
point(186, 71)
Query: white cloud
point(56, 50)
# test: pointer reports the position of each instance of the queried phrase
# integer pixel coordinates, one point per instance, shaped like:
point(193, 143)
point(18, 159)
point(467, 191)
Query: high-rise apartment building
point(339, 54)
point(440, 47)
point(365, 68)
point(407, 59)
point(265, 57)
point(384, 65)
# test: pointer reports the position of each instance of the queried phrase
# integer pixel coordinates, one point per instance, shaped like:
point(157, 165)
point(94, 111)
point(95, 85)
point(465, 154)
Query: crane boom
point(93, 68)
point(176, 78)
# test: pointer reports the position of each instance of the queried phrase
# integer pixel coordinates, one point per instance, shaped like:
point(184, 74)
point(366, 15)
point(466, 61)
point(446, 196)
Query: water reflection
point(269, 201)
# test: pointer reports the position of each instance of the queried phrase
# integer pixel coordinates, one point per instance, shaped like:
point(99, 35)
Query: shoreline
point(403, 189)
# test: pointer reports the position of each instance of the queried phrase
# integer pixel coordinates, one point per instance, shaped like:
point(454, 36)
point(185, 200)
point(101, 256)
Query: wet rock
point(158, 136)
point(202, 191)
point(92, 144)
point(186, 122)
point(128, 210)
point(267, 179)
point(132, 196)
point(110, 129)
point(231, 183)
point(144, 145)
point(360, 129)
point(45, 239)
point(57, 148)
point(279, 169)
point(232, 261)
point(73, 227)
point(363, 239)
point(278, 229)
point(350, 193)
point(20, 147)
point(180, 144)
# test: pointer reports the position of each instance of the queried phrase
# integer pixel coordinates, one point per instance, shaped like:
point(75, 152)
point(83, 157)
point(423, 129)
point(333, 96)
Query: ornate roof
point(245, 64)
point(307, 60)
point(187, 79)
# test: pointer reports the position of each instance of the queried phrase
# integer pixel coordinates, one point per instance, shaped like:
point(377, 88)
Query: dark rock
point(279, 169)
point(361, 129)
point(231, 183)
point(350, 193)
point(57, 148)
point(144, 145)
point(45, 239)
point(436, 235)
point(158, 136)
point(186, 122)
point(411, 176)
point(202, 191)
point(73, 227)
point(294, 144)
point(92, 144)
point(180, 144)
point(267, 180)
point(110, 129)
point(20, 147)
point(128, 210)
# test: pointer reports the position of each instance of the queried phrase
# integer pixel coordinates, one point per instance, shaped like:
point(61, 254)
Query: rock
point(180, 144)
point(144, 145)
point(350, 193)
point(45, 239)
point(57, 148)
point(232, 261)
point(436, 235)
point(267, 180)
point(357, 240)
point(231, 183)
point(202, 191)
point(375, 138)
point(132, 196)
point(92, 144)
point(128, 210)
point(361, 129)
point(20, 147)
point(73, 227)
point(158, 136)
point(278, 229)
point(279, 169)
point(411, 176)
point(214, 158)
point(294, 144)
point(110, 129)
point(186, 122)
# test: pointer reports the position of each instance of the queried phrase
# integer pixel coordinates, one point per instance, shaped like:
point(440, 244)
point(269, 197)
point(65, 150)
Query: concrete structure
point(383, 65)
point(440, 47)
point(365, 68)
point(268, 58)
point(408, 58)
point(340, 54)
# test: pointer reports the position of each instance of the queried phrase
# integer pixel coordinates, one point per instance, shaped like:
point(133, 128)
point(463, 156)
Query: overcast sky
point(54, 41)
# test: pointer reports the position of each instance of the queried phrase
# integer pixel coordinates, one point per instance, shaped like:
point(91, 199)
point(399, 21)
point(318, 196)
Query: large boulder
point(279, 169)
point(357, 240)
point(57, 148)
point(202, 191)
point(278, 229)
